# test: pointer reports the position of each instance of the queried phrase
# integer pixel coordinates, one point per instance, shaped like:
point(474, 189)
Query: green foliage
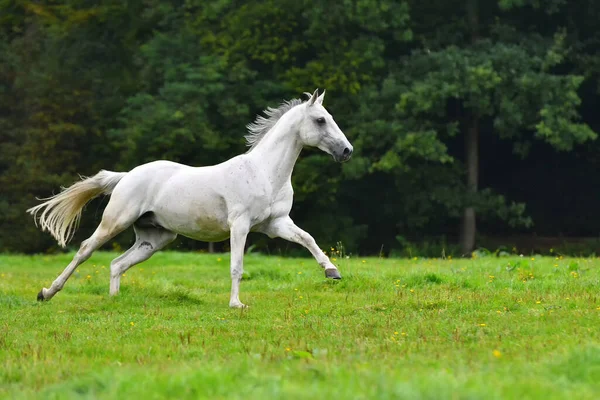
point(548, 6)
point(508, 83)
point(87, 86)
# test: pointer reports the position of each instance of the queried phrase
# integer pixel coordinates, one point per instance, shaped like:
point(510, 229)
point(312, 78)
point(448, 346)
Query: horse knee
point(115, 269)
point(237, 272)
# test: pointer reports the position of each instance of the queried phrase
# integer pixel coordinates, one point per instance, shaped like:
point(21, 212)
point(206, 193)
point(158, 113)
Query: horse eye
point(321, 120)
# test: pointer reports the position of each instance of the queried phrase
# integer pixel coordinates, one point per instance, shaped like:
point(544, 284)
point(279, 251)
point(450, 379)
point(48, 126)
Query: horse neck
point(279, 149)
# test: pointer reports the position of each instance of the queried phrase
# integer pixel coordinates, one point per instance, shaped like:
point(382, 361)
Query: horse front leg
point(239, 232)
point(286, 229)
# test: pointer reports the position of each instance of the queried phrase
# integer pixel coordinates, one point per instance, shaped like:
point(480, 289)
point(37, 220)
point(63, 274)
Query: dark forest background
point(474, 122)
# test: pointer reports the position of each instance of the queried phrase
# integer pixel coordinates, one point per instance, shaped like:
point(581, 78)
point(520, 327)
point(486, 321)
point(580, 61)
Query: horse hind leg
point(105, 231)
point(149, 239)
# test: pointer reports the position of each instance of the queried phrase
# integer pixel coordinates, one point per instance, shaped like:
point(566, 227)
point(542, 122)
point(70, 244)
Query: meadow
point(482, 328)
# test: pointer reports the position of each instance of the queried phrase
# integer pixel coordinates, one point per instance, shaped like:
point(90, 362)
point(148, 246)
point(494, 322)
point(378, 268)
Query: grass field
point(416, 329)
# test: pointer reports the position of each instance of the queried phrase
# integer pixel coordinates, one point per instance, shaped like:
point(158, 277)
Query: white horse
point(163, 199)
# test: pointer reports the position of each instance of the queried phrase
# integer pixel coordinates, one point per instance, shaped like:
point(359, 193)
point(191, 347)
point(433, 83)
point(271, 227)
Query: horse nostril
point(347, 152)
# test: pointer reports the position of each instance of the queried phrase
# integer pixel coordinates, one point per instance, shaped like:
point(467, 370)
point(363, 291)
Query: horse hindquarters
point(61, 213)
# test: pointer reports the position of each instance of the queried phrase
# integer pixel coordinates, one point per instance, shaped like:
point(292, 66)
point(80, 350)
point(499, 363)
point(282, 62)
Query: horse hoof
point(40, 296)
point(332, 273)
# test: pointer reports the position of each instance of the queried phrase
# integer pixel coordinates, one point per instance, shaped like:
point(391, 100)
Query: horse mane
point(261, 125)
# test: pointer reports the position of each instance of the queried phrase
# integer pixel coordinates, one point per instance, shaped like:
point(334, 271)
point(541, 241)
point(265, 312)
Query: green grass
point(415, 329)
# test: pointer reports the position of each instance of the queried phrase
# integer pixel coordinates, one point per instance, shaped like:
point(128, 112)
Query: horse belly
point(200, 217)
point(207, 229)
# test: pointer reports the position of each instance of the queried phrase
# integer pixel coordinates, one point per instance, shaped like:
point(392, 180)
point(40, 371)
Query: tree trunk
point(469, 227)
point(211, 247)
point(473, 18)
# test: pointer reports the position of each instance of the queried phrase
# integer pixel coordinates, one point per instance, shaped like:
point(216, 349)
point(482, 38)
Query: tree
point(505, 83)
point(60, 79)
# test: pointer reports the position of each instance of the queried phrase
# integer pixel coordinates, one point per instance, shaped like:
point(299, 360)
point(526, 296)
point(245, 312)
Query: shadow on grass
point(172, 294)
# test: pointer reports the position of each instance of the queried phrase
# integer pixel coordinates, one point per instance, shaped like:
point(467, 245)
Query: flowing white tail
point(61, 213)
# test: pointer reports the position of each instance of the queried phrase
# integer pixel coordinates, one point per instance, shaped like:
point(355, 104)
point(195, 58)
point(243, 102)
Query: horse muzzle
point(344, 154)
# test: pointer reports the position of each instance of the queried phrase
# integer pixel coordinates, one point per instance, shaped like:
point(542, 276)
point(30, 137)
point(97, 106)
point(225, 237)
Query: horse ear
point(321, 97)
point(313, 98)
